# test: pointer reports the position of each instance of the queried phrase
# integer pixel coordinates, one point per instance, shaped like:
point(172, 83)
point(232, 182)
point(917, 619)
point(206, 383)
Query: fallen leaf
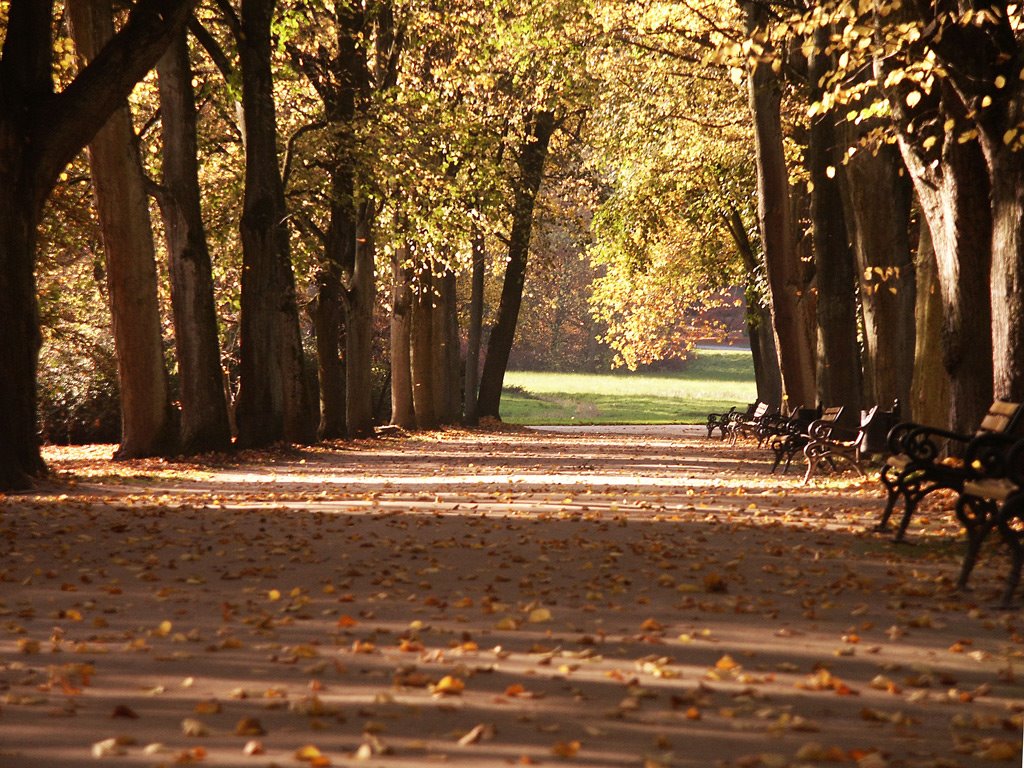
point(249, 726)
point(481, 732)
point(194, 728)
point(565, 749)
point(539, 616)
point(448, 686)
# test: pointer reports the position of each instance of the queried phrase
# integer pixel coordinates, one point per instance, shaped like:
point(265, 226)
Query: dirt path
point(617, 598)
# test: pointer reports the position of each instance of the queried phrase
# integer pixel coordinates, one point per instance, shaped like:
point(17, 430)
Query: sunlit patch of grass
point(715, 381)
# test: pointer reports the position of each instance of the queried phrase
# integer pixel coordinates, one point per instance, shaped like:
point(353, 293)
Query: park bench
point(832, 445)
point(748, 425)
point(923, 459)
point(720, 421)
point(774, 424)
point(993, 497)
point(796, 434)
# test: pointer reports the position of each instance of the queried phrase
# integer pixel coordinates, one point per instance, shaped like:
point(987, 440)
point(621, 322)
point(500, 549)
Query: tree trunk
point(929, 399)
point(19, 343)
point(423, 350)
point(951, 182)
point(1006, 172)
point(878, 198)
point(764, 353)
point(40, 133)
point(767, 376)
point(530, 161)
point(447, 378)
point(838, 369)
point(339, 256)
point(330, 372)
point(360, 296)
point(204, 414)
point(147, 419)
point(474, 331)
point(403, 414)
point(274, 402)
point(792, 304)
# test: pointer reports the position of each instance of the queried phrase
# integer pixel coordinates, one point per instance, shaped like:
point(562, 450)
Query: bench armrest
point(922, 443)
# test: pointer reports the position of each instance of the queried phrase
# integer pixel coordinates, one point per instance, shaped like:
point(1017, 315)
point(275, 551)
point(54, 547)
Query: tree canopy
point(518, 174)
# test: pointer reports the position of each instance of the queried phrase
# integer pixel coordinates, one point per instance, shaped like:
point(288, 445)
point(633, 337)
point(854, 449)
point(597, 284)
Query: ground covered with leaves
point(590, 598)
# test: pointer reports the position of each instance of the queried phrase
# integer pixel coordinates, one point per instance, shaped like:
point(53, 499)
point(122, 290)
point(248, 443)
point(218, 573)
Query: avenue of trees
point(276, 220)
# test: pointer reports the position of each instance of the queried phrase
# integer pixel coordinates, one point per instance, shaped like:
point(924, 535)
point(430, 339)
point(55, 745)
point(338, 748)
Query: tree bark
point(792, 304)
point(403, 414)
point(929, 399)
point(1006, 173)
point(838, 371)
point(530, 162)
point(360, 296)
point(327, 326)
point(447, 376)
point(274, 402)
point(764, 353)
point(474, 331)
point(423, 350)
point(147, 419)
point(878, 198)
point(982, 65)
point(204, 414)
point(951, 182)
point(40, 133)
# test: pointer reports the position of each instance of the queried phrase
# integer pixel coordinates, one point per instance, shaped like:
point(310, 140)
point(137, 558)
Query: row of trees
point(883, 241)
point(854, 167)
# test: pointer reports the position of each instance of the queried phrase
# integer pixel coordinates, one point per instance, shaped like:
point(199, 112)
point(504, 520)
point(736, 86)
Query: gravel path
point(583, 596)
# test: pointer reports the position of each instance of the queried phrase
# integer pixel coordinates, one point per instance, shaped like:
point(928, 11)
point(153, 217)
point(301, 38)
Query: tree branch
point(286, 165)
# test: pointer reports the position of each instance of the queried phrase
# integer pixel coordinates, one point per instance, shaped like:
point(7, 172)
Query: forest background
point(311, 217)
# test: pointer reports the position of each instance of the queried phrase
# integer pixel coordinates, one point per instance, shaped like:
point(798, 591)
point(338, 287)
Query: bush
point(79, 401)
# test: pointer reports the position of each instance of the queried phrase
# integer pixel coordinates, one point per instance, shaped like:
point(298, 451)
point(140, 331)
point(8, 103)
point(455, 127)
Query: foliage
point(672, 148)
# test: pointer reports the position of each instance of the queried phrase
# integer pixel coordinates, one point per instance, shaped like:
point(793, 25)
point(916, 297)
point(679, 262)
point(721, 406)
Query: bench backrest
point(761, 410)
point(875, 425)
point(831, 413)
point(1003, 418)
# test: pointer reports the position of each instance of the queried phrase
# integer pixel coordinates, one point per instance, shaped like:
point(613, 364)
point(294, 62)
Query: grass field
point(714, 381)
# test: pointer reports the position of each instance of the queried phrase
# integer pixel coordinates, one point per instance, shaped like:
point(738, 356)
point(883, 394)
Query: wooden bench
point(993, 497)
point(832, 446)
point(918, 465)
point(796, 435)
point(747, 425)
point(720, 421)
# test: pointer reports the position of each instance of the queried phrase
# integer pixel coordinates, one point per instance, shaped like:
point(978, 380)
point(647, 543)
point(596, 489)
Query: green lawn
point(714, 381)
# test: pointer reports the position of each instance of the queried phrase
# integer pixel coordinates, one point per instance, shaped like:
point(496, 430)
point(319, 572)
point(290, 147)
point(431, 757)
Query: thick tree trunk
point(274, 402)
point(148, 425)
point(204, 414)
point(838, 370)
point(474, 331)
point(792, 303)
point(330, 371)
point(339, 257)
point(954, 200)
point(20, 460)
point(403, 414)
point(929, 398)
point(1006, 171)
point(767, 376)
point(878, 198)
point(360, 296)
point(423, 350)
point(532, 155)
point(40, 133)
point(447, 376)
